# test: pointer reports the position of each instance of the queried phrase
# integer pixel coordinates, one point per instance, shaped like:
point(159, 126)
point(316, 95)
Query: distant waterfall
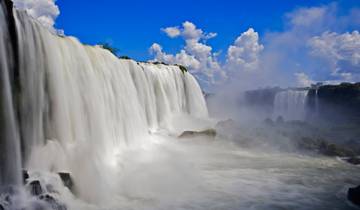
point(79, 106)
point(290, 104)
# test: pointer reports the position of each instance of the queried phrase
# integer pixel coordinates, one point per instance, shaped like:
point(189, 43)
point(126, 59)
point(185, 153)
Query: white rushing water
point(9, 136)
point(113, 125)
point(81, 106)
point(290, 104)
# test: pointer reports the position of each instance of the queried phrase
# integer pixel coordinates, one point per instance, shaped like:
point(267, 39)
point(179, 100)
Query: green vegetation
point(112, 49)
point(158, 62)
point(182, 68)
point(125, 57)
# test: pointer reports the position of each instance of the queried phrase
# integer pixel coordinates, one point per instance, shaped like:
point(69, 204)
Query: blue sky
point(132, 26)
point(262, 43)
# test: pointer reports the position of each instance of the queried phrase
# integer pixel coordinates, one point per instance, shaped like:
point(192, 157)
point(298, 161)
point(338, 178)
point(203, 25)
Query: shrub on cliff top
point(158, 63)
point(125, 57)
point(182, 68)
point(112, 49)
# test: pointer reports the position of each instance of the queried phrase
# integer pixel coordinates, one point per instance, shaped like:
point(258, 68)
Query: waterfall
point(10, 163)
point(317, 102)
point(290, 104)
point(80, 106)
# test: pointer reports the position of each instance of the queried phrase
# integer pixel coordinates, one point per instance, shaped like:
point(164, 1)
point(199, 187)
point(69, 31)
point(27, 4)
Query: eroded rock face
point(336, 103)
point(354, 195)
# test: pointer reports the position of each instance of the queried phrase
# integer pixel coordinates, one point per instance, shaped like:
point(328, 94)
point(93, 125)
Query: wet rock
point(56, 205)
point(354, 195)
point(25, 176)
point(66, 179)
point(353, 160)
point(323, 147)
point(35, 188)
point(335, 150)
point(306, 143)
point(208, 133)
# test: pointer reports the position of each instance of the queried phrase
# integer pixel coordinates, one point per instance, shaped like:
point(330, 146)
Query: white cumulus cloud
point(200, 57)
point(45, 11)
point(172, 32)
point(180, 58)
point(195, 55)
point(341, 51)
point(244, 53)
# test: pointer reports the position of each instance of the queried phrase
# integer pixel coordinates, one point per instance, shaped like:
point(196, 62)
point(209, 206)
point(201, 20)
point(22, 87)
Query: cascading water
point(113, 125)
point(77, 102)
point(10, 160)
point(290, 104)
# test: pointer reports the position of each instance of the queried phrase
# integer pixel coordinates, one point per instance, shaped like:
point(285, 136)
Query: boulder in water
point(35, 188)
point(354, 195)
point(25, 176)
point(325, 148)
point(208, 133)
point(335, 150)
point(55, 205)
point(353, 160)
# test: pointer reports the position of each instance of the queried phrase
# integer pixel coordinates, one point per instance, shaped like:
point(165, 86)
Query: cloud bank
point(316, 44)
point(45, 11)
point(200, 58)
point(341, 52)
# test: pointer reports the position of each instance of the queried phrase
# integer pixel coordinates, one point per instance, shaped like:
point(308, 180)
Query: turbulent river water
point(113, 125)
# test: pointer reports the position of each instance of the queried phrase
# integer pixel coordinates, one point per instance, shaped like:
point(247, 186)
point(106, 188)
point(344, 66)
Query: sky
point(255, 43)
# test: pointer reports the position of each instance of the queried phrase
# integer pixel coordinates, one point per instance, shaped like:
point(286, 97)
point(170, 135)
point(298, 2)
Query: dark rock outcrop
point(208, 133)
point(353, 160)
point(66, 179)
point(330, 149)
point(25, 176)
point(323, 147)
point(335, 103)
point(35, 188)
point(55, 204)
point(354, 195)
